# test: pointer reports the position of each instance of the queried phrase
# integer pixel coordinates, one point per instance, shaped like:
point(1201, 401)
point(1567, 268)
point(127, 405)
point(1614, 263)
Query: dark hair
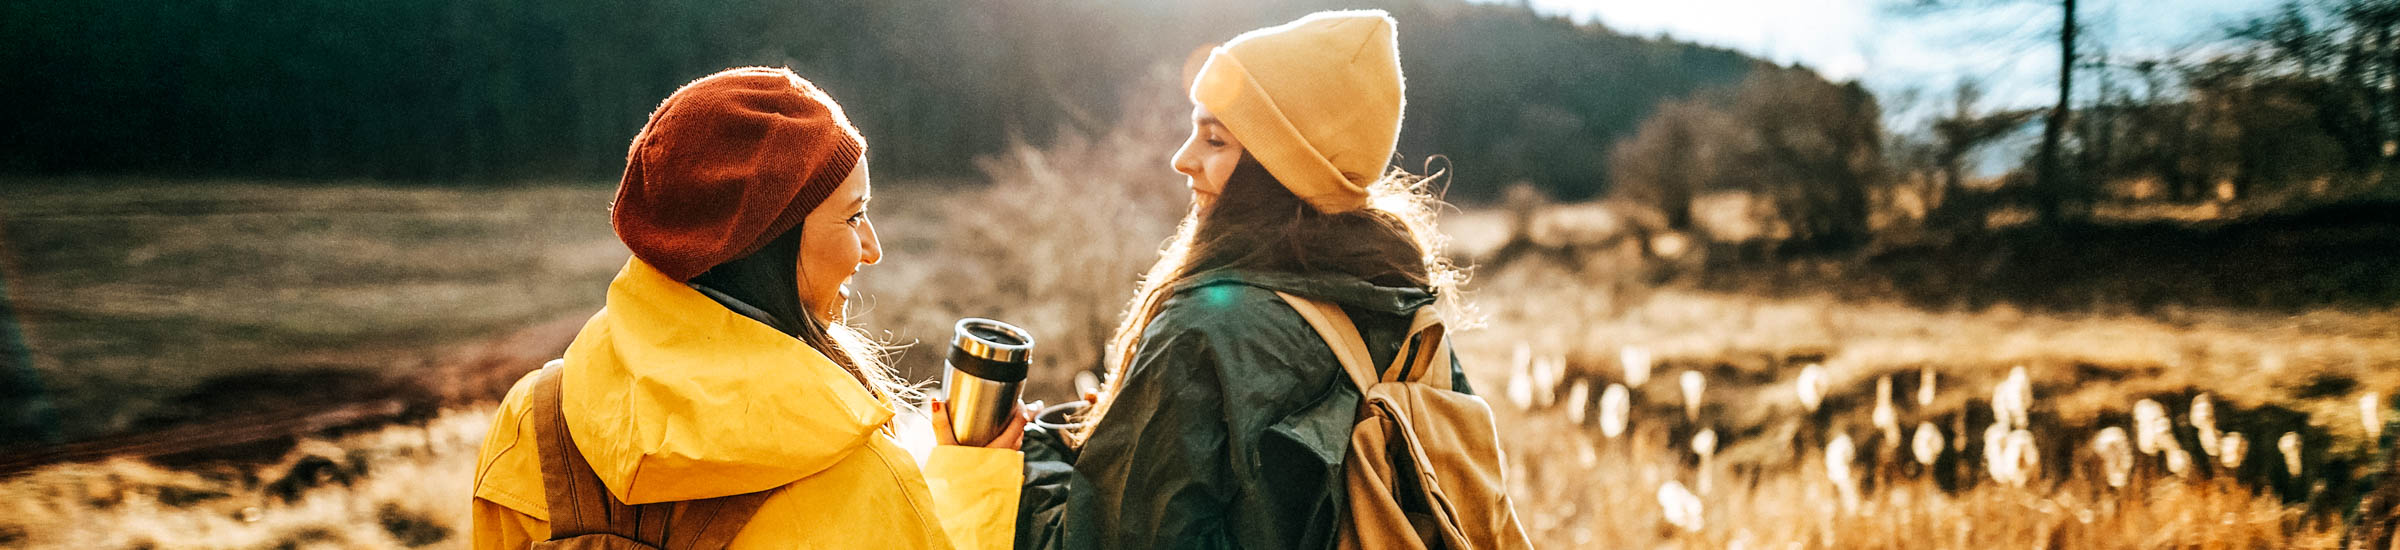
point(769, 280)
point(1258, 224)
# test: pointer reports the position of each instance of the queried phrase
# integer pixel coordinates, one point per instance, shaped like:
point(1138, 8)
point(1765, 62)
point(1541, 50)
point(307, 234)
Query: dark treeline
point(501, 90)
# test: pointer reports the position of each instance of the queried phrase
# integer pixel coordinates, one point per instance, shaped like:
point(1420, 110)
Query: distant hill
point(496, 90)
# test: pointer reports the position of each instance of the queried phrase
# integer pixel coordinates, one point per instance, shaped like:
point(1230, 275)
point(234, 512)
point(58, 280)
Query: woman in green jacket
point(1226, 418)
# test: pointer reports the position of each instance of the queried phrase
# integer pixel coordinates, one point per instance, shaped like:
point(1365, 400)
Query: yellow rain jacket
point(673, 397)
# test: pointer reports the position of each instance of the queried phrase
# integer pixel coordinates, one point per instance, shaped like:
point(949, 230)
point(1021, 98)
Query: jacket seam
point(923, 518)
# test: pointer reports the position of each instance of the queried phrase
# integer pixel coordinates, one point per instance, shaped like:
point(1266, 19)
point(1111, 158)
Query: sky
point(2011, 48)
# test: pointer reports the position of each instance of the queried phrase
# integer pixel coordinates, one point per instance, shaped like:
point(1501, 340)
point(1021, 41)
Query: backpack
point(583, 516)
point(1424, 467)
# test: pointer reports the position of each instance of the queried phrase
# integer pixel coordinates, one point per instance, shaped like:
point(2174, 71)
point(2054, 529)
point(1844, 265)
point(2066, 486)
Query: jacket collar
point(1337, 288)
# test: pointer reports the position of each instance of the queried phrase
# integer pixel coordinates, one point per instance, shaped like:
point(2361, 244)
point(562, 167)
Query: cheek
point(826, 257)
point(1220, 166)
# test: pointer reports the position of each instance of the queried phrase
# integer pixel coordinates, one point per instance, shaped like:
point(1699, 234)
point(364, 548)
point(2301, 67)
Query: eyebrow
point(1211, 119)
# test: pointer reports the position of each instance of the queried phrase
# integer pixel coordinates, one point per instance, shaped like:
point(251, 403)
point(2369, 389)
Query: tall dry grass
point(1599, 456)
point(399, 487)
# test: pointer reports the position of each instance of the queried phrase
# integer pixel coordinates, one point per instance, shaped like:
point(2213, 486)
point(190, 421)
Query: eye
point(1213, 141)
point(856, 218)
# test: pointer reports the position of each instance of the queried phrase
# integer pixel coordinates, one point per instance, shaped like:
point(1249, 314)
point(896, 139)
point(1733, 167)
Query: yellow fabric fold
point(673, 397)
point(975, 494)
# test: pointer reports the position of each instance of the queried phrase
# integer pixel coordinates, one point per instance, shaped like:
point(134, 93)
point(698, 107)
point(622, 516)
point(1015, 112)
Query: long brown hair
point(1258, 224)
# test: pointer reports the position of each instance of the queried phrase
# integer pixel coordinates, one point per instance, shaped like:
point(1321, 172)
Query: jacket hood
point(672, 396)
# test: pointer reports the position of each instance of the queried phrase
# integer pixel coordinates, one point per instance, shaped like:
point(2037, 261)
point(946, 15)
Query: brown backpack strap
point(1425, 352)
point(581, 505)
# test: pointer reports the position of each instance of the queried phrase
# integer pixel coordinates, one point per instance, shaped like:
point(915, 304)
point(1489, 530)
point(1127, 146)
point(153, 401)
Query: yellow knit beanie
point(1317, 101)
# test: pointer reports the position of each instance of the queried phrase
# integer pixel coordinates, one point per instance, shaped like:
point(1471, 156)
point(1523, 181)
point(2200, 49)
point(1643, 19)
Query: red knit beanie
point(728, 163)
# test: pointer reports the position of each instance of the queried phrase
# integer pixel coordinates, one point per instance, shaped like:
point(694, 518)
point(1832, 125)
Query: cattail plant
point(1996, 460)
point(1811, 386)
point(1887, 418)
point(2150, 427)
point(2024, 460)
point(1838, 455)
point(1636, 362)
point(1680, 507)
point(1705, 445)
point(2204, 421)
point(1579, 396)
point(1548, 372)
point(1693, 383)
point(2370, 414)
point(1520, 377)
point(1928, 444)
point(2116, 455)
point(2290, 445)
point(1615, 404)
point(2179, 461)
point(2230, 449)
point(1925, 380)
point(2012, 399)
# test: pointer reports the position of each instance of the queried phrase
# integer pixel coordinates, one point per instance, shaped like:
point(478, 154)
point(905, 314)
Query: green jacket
point(1229, 430)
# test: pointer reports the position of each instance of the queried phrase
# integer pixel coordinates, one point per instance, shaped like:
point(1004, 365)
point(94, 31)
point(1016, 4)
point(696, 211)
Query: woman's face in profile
point(835, 240)
point(1207, 157)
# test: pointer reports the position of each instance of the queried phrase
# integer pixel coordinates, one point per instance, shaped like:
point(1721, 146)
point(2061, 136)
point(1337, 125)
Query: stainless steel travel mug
point(983, 377)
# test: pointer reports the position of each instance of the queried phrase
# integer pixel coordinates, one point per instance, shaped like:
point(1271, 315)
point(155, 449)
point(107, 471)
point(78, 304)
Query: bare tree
point(2050, 186)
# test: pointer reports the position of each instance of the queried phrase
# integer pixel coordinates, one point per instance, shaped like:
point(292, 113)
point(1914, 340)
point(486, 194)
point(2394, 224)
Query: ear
point(1193, 61)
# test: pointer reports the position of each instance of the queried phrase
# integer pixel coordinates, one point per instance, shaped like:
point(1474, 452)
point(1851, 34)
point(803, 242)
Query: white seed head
point(2150, 426)
point(1838, 455)
point(1996, 460)
point(1520, 378)
point(1636, 361)
point(1547, 373)
point(2028, 459)
point(1705, 443)
point(2370, 415)
point(2116, 455)
point(2230, 450)
point(1693, 385)
point(2012, 398)
point(1811, 386)
point(2290, 445)
point(2204, 421)
point(1925, 380)
point(1681, 508)
point(1579, 396)
point(1615, 405)
point(1928, 444)
point(1887, 417)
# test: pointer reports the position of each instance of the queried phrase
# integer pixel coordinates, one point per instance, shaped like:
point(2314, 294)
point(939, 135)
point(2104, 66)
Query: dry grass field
point(1809, 403)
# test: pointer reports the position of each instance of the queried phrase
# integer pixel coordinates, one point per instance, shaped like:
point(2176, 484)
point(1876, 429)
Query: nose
point(1186, 161)
point(872, 252)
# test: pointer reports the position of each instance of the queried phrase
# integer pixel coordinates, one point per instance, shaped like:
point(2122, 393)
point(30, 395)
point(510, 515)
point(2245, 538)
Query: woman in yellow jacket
point(720, 365)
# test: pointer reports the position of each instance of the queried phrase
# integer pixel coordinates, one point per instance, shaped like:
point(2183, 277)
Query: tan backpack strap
point(1427, 351)
point(1339, 333)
